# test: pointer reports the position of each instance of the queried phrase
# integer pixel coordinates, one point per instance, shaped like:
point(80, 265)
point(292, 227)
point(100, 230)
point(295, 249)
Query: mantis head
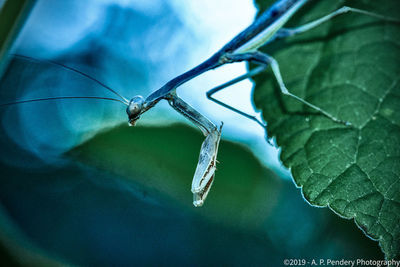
point(135, 109)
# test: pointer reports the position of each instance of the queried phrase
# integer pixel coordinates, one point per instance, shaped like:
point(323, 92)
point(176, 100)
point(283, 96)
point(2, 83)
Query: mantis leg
point(285, 32)
point(205, 125)
point(206, 167)
point(265, 59)
point(231, 82)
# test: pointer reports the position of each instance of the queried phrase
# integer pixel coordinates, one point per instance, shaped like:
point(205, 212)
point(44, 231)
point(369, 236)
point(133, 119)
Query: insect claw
point(206, 167)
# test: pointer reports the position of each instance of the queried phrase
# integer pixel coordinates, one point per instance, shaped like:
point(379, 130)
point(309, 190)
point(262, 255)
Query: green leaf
point(350, 68)
point(163, 160)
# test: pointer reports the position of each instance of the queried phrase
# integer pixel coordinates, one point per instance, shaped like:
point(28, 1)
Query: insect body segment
point(268, 33)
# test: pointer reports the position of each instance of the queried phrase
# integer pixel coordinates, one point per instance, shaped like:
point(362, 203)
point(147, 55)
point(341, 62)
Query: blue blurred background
point(135, 47)
point(98, 206)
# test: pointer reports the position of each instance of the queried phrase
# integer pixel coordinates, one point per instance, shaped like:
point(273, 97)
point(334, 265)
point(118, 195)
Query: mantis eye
point(134, 109)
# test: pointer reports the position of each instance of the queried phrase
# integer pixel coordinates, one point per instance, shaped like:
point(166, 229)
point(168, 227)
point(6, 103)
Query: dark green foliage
point(350, 67)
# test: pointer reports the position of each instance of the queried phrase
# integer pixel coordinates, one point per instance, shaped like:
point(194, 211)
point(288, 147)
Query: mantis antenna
point(59, 98)
point(124, 100)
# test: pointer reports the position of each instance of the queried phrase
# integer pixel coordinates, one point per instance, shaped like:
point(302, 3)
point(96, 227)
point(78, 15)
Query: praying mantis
point(243, 48)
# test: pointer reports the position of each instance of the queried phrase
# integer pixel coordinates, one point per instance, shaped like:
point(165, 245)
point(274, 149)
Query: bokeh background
point(78, 186)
